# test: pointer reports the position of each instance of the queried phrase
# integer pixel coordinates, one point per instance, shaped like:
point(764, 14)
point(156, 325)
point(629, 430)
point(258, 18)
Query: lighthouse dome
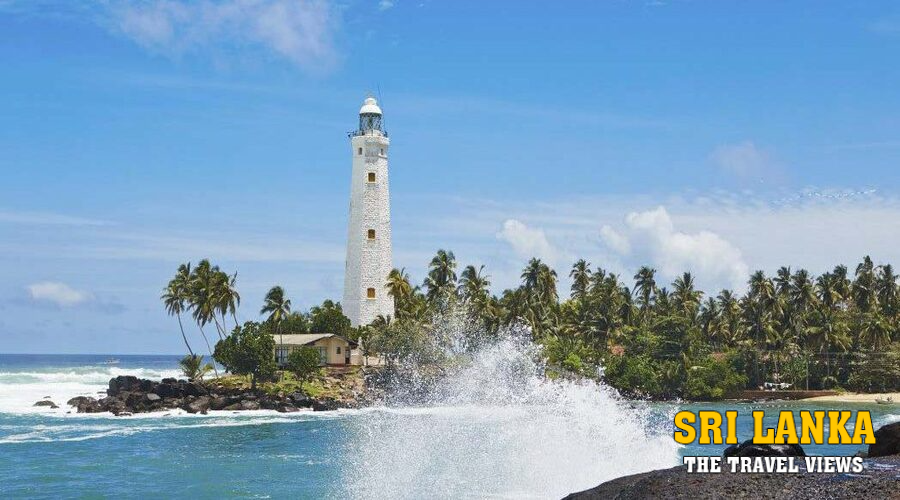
point(370, 106)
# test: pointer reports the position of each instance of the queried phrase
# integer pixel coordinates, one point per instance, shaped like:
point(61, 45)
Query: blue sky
point(712, 136)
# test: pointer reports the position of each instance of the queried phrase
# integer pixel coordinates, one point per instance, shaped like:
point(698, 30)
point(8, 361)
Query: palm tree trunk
point(210, 350)
point(281, 346)
point(218, 327)
point(191, 351)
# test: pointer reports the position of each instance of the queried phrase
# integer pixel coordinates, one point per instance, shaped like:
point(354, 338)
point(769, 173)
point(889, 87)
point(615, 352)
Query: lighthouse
point(369, 228)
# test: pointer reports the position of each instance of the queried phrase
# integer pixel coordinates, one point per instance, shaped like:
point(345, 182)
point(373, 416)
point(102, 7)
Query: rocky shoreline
point(880, 477)
point(128, 395)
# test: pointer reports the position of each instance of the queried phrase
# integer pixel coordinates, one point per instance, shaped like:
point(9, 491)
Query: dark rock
point(249, 405)
point(169, 390)
point(124, 414)
point(878, 481)
point(199, 405)
point(887, 441)
point(268, 404)
point(123, 383)
point(193, 389)
point(218, 403)
point(85, 404)
point(169, 380)
point(301, 400)
point(234, 407)
point(748, 449)
point(47, 403)
point(288, 409)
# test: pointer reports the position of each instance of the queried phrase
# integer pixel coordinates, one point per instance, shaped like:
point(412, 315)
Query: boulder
point(887, 441)
point(218, 403)
point(286, 408)
point(199, 405)
point(169, 389)
point(85, 404)
point(234, 407)
point(748, 449)
point(301, 400)
point(193, 389)
point(123, 383)
point(249, 405)
point(152, 397)
point(47, 403)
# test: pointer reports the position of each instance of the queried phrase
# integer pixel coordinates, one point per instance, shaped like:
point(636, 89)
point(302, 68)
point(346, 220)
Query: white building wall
point(368, 261)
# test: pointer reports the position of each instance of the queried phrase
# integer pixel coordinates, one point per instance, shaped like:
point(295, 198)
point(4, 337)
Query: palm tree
point(863, 287)
point(399, 287)
point(876, 332)
point(441, 280)
point(175, 297)
point(228, 297)
point(581, 279)
point(887, 293)
point(474, 284)
point(204, 282)
point(277, 307)
point(645, 286)
point(686, 298)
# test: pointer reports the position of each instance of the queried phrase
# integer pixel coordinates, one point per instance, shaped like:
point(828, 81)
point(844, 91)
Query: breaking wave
point(495, 425)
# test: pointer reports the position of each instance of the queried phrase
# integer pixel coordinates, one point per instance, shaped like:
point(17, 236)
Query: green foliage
point(295, 322)
point(329, 318)
point(193, 368)
point(249, 350)
point(303, 363)
point(713, 379)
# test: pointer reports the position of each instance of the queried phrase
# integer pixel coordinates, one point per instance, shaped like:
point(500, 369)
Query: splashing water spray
point(490, 423)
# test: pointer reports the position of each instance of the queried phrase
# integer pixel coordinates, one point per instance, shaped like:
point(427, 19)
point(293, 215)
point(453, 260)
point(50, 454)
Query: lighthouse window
point(370, 293)
point(382, 151)
point(359, 151)
point(371, 176)
point(371, 234)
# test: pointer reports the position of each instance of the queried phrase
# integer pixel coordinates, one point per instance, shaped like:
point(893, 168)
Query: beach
point(857, 398)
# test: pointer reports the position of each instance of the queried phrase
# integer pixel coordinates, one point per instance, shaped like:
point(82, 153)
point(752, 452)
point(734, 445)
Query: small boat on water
point(111, 361)
point(885, 401)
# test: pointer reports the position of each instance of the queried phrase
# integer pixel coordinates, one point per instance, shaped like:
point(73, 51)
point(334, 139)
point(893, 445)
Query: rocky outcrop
point(128, 395)
point(748, 449)
point(47, 403)
point(877, 481)
point(887, 441)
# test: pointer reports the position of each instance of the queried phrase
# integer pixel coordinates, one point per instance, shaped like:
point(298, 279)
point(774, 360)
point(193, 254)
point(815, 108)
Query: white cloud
point(743, 160)
point(653, 237)
point(300, 31)
point(46, 218)
point(615, 241)
point(385, 4)
point(59, 294)
point(528, 242)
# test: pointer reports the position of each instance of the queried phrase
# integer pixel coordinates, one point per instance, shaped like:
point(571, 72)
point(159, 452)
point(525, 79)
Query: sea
point(494, 429)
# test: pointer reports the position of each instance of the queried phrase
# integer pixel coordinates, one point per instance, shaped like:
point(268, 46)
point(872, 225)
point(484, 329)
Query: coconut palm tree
point(474, 285)
point(228, 298)
point(441, 279)
point(645, 287)
point(399, 287)
point(686, 297)
point(278, 307)
point(175, 297)
point(581, 279)
point(204, 282)
point(887, 293)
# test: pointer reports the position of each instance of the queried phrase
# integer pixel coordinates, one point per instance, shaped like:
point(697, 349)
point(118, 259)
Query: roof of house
point(307, 338)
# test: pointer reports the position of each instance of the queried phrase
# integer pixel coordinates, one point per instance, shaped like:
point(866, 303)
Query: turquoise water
point(481, 437)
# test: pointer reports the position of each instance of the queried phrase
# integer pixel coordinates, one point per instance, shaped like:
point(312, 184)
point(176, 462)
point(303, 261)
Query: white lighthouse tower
point(369, 230)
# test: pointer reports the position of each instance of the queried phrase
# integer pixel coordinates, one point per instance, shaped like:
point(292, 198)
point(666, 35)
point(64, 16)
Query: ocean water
point(494, 429)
